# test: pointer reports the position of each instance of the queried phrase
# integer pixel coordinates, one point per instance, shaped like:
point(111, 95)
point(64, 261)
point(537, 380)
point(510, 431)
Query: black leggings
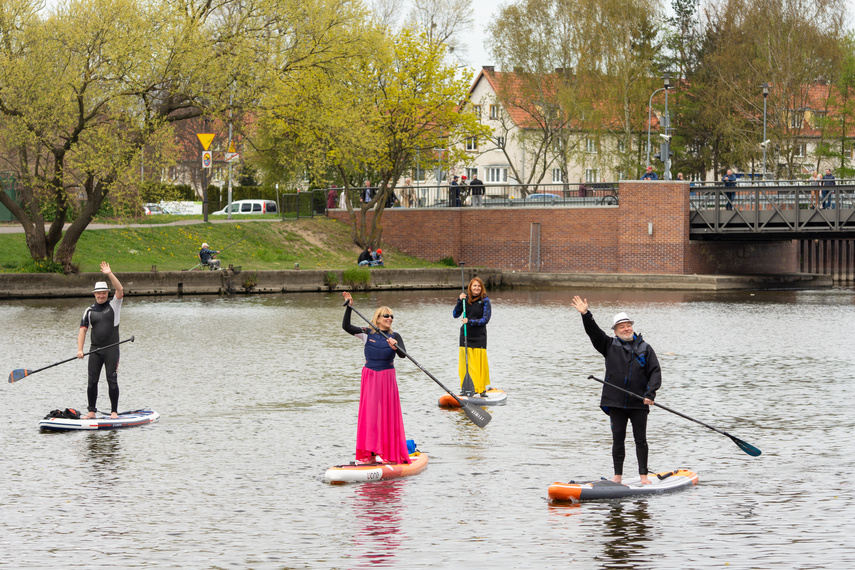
point(109, 359)
point(638, 417)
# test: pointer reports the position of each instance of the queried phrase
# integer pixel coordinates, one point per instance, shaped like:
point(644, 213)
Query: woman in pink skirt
point(380, 427)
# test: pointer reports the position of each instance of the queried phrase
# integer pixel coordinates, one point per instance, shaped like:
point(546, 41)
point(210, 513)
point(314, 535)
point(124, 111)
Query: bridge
point(773, 212)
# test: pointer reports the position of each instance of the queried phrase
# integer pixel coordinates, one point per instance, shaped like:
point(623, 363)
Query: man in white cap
point(206, 256)
point(103, 318)
point(631, 364)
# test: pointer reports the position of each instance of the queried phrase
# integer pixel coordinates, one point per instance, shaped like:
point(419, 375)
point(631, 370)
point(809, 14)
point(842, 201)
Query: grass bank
point(317, 243)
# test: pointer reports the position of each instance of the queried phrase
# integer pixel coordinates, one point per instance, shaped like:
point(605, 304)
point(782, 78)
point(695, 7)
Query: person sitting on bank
point(206, 256)
point(377, 258)
point(649, 174)
point(365, 257)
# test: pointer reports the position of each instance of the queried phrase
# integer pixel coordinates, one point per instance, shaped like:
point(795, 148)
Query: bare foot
point(114, 415)
point(645, 480)
point(617, 478)
point(89, 416)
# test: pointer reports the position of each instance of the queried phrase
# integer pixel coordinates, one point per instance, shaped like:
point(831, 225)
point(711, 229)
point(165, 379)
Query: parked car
point(249, 207)
point(536, 199)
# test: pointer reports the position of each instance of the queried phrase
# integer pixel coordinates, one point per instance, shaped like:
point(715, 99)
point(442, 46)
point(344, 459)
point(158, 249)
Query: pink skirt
point(380, 427)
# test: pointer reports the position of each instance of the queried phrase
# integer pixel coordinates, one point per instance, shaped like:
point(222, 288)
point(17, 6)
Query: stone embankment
point(170, 283)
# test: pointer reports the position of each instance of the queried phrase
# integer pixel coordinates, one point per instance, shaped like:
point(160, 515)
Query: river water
point(258, 396)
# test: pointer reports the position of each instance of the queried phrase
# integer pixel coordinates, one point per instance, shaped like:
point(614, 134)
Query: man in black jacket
point(631, 364)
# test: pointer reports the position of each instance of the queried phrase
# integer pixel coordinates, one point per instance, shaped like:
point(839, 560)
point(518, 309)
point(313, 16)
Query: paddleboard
point(495, 397)
point(125, 420)
point(629, 487)
point(354, 473)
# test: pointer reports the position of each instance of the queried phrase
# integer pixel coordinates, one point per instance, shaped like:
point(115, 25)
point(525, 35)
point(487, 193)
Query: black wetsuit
point(103, 322)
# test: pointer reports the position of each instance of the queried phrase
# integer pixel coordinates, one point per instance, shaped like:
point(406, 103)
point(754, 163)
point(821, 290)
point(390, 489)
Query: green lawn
point(317, 243)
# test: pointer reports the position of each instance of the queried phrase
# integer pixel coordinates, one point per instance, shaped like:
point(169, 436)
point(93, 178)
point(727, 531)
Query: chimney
point(488, 68)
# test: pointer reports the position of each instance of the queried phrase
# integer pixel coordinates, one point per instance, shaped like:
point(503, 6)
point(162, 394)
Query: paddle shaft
point(482, 416)
point(31, 372)
point(736, 440)
point(468, 385)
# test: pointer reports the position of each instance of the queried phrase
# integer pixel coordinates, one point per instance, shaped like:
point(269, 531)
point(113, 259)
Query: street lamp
point(649, 118)
point(665, 148)
point(765, 87)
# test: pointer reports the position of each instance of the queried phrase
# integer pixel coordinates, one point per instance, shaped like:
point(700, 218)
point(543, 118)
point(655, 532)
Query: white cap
point(100, 286)
point(621, 318)
point(204, 245)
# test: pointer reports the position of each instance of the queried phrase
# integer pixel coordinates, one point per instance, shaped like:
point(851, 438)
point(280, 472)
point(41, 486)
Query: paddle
point(744, 446)
point(478, 416)
point(468, 387)
point(21, 373)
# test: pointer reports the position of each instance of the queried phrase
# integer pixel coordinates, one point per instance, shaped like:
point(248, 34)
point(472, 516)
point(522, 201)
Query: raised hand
point(580, 304)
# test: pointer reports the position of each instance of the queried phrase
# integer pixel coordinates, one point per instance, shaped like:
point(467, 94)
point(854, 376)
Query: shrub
point(250, 280)
point(357, 277)
point(41, 266)
point(448, 261)
point(330, 280)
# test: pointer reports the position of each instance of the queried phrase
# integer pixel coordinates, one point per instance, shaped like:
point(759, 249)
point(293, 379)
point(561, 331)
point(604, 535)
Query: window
point(471, 173)
point(494, 111)
point(800, 150)
point(620, 174)
point(247, 207)
point(500, 142)
point(591, 175)
point(497, 174)
point(419, 175)
point(591, 145)
point(557, 175)
point(477, 110)
point(621, 145)
point(796, 119)
point(472, 143)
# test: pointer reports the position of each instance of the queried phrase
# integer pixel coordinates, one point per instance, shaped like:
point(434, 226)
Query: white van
point(249, 207)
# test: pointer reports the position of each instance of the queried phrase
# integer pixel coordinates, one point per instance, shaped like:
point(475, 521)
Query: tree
point(372, 115)
point(586, 67)
point(792, 44)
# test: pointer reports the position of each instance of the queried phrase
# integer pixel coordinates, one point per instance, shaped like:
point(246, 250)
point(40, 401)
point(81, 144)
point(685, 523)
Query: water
point(258, 396)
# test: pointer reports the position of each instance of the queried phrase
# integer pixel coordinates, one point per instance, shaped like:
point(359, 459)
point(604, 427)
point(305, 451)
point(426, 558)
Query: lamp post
point(649, 118)
point(665, 148)
point(765, 87)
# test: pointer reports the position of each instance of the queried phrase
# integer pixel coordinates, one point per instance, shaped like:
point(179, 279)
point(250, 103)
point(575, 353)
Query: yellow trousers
point(479, 368)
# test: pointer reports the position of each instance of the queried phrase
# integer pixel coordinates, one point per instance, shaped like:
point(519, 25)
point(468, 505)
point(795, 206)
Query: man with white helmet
point(631, 364)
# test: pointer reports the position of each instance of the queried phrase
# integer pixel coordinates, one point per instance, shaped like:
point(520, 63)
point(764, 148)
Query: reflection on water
point(259, 395)
point(377, 509)
point(626, 532)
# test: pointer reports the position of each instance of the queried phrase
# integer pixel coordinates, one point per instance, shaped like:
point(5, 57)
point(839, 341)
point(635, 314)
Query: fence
point(496, 196)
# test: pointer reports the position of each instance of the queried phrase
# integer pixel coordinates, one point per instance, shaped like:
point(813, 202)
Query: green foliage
point(331, 280)
point(40, 266)
point(250, 280)
point(154, 192)
point(447, 261)
point(357, 277)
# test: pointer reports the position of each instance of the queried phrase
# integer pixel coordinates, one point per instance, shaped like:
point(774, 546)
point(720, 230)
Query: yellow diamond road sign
point(232, 147)
point(205, 139)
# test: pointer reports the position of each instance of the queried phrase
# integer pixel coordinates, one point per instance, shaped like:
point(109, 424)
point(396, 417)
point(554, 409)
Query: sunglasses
point(388, 316)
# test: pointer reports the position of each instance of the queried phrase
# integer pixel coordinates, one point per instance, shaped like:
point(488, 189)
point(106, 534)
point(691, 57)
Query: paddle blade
point(746, 447)
point(18, 374)
point(478, 415)
point(468, 387)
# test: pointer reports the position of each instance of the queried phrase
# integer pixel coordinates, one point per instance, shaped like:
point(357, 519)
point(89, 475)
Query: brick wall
point(647, 233)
